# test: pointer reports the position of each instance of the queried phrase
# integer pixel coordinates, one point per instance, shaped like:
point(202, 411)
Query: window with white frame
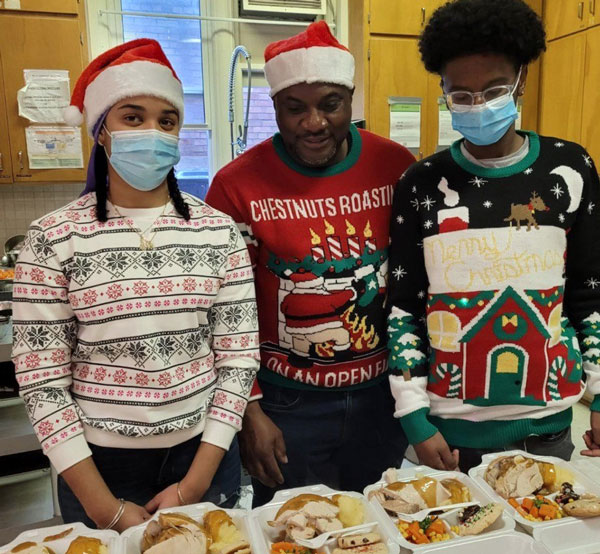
point(200, 52)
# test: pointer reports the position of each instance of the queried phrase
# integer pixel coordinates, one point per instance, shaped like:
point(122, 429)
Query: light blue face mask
point(143, 158)
point(485, 124)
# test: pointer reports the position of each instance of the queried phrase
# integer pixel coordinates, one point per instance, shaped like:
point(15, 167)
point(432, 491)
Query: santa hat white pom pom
point(73, 116)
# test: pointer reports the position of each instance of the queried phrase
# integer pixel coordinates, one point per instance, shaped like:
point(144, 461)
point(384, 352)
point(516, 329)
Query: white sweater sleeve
point(44, 334)
point(234, 323)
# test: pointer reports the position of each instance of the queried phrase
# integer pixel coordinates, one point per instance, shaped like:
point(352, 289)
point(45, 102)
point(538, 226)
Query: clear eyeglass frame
point(464, 100)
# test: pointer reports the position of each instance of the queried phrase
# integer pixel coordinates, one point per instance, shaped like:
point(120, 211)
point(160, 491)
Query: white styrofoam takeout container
point(575, 536)
point(132, 537)
point(110, 538)
point(582, 484)
point(504, 543)
point(502, 525)
point(265, 535)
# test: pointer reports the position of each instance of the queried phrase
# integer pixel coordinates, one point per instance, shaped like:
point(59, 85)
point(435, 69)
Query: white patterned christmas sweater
point(132, 348)
point(494, 294)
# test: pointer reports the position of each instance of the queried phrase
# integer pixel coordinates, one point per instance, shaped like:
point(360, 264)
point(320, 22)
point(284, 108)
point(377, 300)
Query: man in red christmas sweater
point(313, 203)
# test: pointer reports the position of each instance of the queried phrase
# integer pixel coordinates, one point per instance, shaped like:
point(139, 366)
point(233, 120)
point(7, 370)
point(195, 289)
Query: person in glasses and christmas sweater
point(494, 293)
point(314, 203)
point(135, 323)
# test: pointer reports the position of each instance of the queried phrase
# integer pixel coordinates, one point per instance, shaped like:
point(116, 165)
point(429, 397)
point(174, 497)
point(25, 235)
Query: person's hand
point(262, 446)
point(434, 452)
point(132, 515)
point(168, 498)
point(592, 437)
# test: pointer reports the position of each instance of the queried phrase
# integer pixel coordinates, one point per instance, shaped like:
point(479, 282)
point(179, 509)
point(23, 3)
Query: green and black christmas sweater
point(494, 294)
point(318, 239)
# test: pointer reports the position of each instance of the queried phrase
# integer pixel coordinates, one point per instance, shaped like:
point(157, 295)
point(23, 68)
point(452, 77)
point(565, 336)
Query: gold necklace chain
point(145, 243)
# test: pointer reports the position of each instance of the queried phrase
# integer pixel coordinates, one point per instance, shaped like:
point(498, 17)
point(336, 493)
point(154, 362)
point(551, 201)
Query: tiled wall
point(21, 204)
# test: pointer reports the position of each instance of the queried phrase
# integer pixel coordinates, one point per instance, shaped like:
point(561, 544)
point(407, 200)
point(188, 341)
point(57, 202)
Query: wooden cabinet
point(590, 110)
point(384, 41)
point(37, 41)
point(386, 81)
point(570, 90)
point(564, 17)
point(401, 17)
point(562, 87)
point(6, 174)
point(42, 6)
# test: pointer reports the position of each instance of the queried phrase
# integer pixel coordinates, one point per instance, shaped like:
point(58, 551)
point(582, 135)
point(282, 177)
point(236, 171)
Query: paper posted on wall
point(405, 121)
point(54, 147)
point(446, 133)
point(45, 95)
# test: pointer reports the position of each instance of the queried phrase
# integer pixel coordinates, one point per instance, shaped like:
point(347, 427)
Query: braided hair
point(180, 204)
point(101, 175)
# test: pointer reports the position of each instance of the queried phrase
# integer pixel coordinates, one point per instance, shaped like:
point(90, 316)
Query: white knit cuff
point(218, 433)
point(68, 453)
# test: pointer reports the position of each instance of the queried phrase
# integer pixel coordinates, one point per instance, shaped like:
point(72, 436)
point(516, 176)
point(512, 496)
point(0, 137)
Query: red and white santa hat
point(306, 280)
point(138, 67)
point(313, 56)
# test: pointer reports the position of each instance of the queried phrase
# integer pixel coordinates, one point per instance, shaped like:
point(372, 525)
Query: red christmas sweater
point(318, 239)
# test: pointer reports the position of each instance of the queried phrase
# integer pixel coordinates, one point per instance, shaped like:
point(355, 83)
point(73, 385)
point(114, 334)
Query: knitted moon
point(574, 182)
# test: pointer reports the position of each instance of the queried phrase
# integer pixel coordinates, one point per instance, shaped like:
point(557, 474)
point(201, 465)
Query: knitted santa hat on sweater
point(306, 280)
point(136, 68)
point(313, 56)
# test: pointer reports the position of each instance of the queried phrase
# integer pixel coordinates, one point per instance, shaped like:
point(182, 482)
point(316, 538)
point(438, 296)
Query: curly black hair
point(463, 27)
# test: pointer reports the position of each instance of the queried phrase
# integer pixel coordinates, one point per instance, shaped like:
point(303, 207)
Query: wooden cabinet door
point(594, 13)
point(401, 17)
point(41, 6)
point(37, 42)
point(395, 69)
point(6, 175)
point(563, 17)
point(562, 88)
point(590, 133)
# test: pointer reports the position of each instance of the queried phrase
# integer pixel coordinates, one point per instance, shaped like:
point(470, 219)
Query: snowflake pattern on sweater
point(509, 260)
point(133, 343)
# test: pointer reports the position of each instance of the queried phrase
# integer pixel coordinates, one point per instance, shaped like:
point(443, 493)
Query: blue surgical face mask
point(143, 158)
point(485, 124)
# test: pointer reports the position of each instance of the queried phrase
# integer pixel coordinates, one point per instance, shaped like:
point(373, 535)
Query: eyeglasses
point(463, 100)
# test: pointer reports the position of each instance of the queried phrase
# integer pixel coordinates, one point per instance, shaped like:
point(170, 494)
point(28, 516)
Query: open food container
point(504, 543)
point(59, 537)
point(582, 485)
point(132, 537)
point(572, 537)
point(449, 513)
point(266, 535)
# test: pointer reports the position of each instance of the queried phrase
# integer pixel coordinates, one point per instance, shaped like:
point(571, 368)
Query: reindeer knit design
point(494, 276)
point(127, 348)
point(520, 212)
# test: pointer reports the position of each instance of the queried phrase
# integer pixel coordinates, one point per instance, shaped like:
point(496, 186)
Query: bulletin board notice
point(54, 147)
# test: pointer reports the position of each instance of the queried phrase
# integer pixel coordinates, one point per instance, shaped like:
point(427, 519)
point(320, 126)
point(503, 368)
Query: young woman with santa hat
point(135, 319)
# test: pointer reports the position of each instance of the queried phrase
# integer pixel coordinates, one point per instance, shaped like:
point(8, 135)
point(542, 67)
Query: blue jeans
point(341, 439)
point(138, 475)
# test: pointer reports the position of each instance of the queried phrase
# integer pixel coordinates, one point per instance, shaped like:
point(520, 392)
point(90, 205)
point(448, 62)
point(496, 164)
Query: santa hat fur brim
point(115, 83)
point(317, 64)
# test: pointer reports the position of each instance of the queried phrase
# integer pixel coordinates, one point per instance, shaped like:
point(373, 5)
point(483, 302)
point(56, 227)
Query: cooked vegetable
point(289, 548)
point(538, 508)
